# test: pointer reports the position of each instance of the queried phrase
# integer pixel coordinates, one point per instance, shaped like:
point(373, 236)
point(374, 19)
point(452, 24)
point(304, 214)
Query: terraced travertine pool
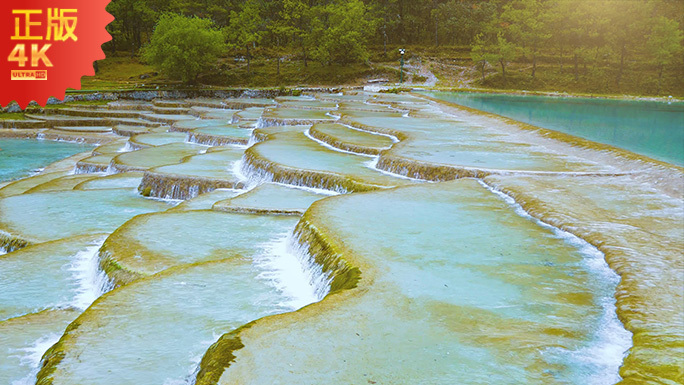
point(333, 239)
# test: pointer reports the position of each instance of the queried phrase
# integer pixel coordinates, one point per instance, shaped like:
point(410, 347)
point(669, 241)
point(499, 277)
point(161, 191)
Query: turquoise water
point(458, 285)
point(18, 157)
point(654, 129)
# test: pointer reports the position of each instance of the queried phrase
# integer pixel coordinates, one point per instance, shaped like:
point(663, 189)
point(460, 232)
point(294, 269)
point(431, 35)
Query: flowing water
point(651, 128)
point(322, 239)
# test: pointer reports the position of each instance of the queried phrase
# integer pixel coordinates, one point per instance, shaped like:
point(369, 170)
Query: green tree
point(579, 32)
point(344, 28)
point(628, 25)
point(459, 21)
point(134, 19)
point(664, 43)
point(246, 29)
point(527, 23)
point(293, 25)
point(216, 10)
point(503, 52)
point(184, 47)
point(478, 53)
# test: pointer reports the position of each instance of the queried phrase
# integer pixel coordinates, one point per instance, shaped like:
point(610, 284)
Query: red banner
point(46, 46)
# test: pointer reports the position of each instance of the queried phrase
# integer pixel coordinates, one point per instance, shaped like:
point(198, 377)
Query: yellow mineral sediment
point(640, 232)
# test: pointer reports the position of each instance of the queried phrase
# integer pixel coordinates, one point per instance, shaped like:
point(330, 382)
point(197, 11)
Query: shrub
point(184, 47)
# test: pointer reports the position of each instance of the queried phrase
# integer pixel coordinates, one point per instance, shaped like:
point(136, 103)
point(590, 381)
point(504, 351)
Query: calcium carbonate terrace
point(344, 238)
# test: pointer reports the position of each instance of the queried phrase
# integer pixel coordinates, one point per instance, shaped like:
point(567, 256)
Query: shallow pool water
point(151, 243)
point(50, 275)
point(443, 301)
point(651, 128)
point(155, 331)
point(42, 217)
point(289, 240)
point(19, 157)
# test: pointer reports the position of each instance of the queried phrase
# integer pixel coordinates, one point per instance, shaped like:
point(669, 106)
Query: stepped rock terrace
point(340, 238)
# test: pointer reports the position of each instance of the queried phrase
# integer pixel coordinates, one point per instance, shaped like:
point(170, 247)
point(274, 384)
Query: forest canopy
point(572, 34)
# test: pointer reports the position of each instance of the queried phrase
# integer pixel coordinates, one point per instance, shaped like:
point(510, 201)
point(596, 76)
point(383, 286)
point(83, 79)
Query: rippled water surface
point(254, 241)
point(18, 157)
point(654, 129)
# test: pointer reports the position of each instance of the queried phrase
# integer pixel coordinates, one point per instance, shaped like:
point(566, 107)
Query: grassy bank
point(123, 72)
point(452, 66)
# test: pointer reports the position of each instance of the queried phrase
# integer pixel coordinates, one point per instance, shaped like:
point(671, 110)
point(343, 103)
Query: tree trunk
point(249, 57)
point(596, 58)
point(503, 69)
point(660, 77)
point(436, 33)
point(534, 60)
point(482, 67)
point(384, 40)
point(622, 63)
point(278, 70)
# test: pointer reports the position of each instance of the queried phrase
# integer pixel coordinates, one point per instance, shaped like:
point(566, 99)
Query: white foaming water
point(111, 170)
point(373, 164)
point(309, 189)
point(326, 145)
point(239, 146)
point(252, 140)
point(238, 170)
point(36, 171)
point(292, 273)
point(92, 282)
point(30, 357)
point(256, 177)
point(392, 137)
point(194, 365)
point(126, 148)
point(601, 359)
point(168, 201)
point(261, 123)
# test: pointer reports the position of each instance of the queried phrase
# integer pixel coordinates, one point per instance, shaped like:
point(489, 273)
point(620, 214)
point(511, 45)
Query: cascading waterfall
point(128, 147)
point(93, 282)
point(292, 271)
point(85, 168)
point(214, 141)
point(307, 133)
point(244, 174)
point(259, 171)
point(604, 356)
point(303, 266)
point(373, 163)
point(30, 357)
point(403, 173)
